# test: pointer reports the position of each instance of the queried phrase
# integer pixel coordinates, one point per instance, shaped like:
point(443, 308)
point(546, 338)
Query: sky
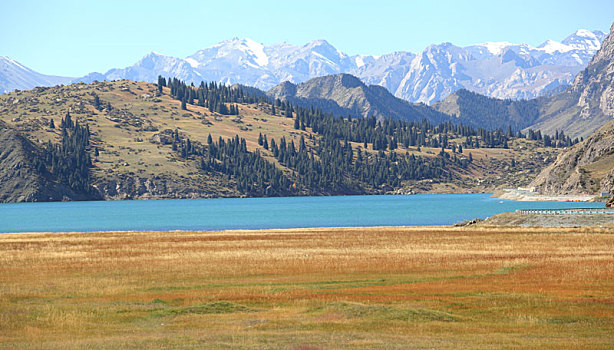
point(73, 38)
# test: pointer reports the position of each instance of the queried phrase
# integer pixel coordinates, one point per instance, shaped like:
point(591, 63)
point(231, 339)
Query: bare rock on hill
point(21, 180)
point(586, 168)
point(588, 103)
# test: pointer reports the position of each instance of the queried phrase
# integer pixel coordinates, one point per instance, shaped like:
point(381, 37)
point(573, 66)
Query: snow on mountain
point(147, 69)
point(585, 40)
point(14, 75)
point(497, 69)
point(386, 70)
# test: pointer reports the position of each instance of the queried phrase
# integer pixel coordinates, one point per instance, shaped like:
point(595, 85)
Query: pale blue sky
point(73, 38)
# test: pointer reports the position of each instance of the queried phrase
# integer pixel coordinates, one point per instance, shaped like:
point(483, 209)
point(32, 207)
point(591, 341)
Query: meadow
point(344, 288)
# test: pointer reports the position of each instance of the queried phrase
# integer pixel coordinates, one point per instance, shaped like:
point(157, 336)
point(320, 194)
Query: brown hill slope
point(586, 168)
point(135, 160)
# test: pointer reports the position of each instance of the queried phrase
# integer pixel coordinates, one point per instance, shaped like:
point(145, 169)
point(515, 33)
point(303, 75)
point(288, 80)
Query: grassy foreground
point(357, 288)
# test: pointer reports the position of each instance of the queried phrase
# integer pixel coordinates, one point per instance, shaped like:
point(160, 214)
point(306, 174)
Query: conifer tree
point(97, 104)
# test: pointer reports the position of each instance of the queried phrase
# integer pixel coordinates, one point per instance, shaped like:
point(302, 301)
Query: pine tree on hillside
point(96, 103)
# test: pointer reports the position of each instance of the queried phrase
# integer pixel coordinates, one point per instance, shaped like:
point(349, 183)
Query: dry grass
point(352, 288)
point(126, 150)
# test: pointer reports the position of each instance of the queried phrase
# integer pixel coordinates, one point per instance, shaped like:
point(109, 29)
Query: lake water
point(259, 213)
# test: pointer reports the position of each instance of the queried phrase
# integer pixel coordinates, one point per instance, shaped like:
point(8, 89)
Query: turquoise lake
point(259, 213)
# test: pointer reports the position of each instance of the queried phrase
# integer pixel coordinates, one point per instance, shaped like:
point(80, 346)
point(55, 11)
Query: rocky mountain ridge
point(14, 75)
point(345, 94)
point(586, 168)
point(578, 110)
point(589, 102)
point(495, 69)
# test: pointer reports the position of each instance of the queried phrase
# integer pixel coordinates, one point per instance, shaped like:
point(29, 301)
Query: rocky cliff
point(21, 180)
point(586, 168)
point(588, 103)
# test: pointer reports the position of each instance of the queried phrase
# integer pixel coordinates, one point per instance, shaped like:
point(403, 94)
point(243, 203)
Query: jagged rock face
point(133, 187)
point(589, 102)
point(586, 168)
point(123, 186)
point(20, 180)
point(595, 84)
point(496, 69)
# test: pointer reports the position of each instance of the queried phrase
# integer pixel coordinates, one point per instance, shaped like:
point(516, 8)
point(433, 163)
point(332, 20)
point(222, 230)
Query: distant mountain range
point(579, 110)
point(14, 75)
point(495, 69)
point(587, 167)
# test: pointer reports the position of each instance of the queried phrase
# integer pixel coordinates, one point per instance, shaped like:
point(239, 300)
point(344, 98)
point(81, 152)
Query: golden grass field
point(354, 288)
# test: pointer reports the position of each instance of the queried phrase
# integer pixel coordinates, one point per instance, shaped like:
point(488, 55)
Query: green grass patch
point(383, 312)
point(216, 307)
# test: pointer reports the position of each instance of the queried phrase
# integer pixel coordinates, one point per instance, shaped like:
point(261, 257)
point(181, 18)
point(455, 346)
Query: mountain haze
point(14, 75)
point(487, 112)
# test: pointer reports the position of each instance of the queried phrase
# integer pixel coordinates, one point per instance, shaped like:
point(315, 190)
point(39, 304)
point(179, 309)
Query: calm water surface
point(259, 213)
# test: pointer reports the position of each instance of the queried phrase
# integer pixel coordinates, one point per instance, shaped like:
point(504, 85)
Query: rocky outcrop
point(586, 168)
point(22, 179)
point(123, 186)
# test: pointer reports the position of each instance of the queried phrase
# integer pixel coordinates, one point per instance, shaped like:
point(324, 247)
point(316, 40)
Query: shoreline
point(522, 195)
point(246, 231)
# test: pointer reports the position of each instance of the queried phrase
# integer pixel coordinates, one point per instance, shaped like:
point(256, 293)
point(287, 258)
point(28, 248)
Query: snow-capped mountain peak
point(256, 49)
point(583, 39)
point(497, 69)
point(551, 46)
point(6, 60)
point(240, 51)
point(14, 75)
point(495, 47)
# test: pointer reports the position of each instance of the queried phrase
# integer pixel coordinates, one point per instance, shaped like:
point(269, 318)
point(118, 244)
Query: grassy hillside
point(132, 121)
